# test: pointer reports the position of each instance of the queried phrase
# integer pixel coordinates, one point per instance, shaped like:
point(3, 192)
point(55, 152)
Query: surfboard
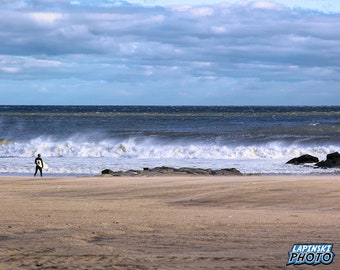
point(40, 164)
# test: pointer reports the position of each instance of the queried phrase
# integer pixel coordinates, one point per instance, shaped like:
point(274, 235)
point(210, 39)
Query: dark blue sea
point(83, 140)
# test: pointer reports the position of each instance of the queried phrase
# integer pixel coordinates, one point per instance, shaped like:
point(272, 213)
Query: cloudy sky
point(108, 52)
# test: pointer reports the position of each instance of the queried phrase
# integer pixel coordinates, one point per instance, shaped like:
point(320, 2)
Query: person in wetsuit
point(39, 165)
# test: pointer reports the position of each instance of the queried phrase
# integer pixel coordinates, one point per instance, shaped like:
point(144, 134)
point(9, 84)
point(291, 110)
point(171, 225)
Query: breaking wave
point(148, 148)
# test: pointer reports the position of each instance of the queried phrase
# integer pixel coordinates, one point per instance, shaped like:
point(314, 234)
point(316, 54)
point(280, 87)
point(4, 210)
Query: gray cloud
point(115, 41)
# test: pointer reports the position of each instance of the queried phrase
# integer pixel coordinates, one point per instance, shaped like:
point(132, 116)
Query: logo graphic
point(311, 254)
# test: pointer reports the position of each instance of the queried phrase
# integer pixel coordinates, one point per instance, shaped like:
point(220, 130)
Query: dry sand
point(247, 222)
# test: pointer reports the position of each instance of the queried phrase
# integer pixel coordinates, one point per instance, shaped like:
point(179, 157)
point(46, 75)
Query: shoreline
point(176, 176)
point(99, 175)
point(167, 222)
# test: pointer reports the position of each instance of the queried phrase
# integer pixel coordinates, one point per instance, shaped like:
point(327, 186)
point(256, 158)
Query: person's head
point(39, 155)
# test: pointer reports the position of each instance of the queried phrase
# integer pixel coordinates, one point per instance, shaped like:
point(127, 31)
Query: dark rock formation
point(194, 171)
point(332, 161)
point(231, 171)
point(107, 171)
point(303, 159)
point(157, 171)
point(5, 141)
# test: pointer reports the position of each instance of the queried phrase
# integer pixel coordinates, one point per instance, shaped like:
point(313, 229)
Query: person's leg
point(36, 170)
point(40, 169)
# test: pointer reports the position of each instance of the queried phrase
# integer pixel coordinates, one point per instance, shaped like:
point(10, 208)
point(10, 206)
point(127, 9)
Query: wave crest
point(155, 149)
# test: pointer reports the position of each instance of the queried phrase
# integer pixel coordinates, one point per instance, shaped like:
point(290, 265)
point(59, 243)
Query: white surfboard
point(40, 164)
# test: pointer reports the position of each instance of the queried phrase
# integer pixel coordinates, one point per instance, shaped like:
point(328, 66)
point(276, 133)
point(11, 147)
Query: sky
point(162, 52)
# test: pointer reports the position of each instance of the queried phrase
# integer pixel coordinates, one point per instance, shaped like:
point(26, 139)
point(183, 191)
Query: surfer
point(39, 165)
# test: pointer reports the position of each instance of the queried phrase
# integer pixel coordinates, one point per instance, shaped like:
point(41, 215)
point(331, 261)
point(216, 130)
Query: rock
point(5, 141)
point(156, 171)
point(332, 161)
point(303, 159)
point(162, 169)
point(171, 171)
point(194, 171)
point(131, 173)
point(107, 171)
point(231, 171)
point(333, 156)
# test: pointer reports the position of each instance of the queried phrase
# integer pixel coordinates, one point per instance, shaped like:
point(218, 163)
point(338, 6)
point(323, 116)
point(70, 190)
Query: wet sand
point(236, 222)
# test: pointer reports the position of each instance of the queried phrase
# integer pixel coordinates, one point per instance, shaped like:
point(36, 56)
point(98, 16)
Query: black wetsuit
point(38, 168)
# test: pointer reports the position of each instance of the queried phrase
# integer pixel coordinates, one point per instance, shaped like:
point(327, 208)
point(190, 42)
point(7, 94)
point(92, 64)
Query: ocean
point(84, 140)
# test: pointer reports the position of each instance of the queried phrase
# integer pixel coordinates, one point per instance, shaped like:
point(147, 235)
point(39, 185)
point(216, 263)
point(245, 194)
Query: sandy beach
point(236, 222)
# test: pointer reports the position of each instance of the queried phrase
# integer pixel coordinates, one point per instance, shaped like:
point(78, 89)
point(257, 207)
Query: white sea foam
point(153, 149)
point(76, 156)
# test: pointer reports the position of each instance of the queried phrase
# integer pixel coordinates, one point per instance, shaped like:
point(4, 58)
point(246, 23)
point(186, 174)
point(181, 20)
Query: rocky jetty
point(303, 159)
point(332, 161)
point(4, 141)
point(169, 171)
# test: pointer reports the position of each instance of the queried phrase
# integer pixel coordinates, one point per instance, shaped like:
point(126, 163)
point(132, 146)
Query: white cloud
point(267, 5)
point(10, 69)
point(202, 12)
point(33, 62)
point(221, 46)
point(45, 17)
